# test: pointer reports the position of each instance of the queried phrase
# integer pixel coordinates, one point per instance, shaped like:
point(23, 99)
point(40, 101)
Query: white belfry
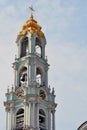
point(30, 104)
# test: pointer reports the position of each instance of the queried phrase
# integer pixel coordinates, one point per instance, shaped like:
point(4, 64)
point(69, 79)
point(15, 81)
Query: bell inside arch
point(23, 76)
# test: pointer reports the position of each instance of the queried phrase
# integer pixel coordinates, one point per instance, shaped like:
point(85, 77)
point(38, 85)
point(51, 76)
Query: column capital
point(33, 102)
point(12, 108)
point(53, 111)
point(7, 109)
point(25, 103)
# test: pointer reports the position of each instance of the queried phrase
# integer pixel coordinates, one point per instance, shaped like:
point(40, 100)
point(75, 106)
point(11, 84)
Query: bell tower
point(30, 104)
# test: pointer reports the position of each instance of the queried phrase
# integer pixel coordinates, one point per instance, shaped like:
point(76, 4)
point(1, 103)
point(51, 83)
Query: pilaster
point(49, 118)
point(37, 116)
point(7, 118)
point(12, 117)
point(25, 114)
point(53, 119)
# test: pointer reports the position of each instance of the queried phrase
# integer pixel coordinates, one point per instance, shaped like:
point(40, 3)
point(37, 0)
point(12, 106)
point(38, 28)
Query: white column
point(34, 115)
point(30, 44)
point(53, 120)
point(31, 114)
point(12, 118)
point(25, 114)
point(28, 76)
point(15, 77)
point(7, 119)
point(29, 73)
point(49, 119)
point(37, 115)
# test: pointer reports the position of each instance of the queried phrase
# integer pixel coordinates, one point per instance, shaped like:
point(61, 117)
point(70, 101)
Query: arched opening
point(23, 76)
point(39, 76)
point(24, 47)
point(42, 120)
point(20, 119)
point(38, 48)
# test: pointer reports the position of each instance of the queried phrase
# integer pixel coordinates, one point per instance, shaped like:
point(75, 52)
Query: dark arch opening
point(42, 120)
point(42, 112)
point(24, 47)
point(20, 119)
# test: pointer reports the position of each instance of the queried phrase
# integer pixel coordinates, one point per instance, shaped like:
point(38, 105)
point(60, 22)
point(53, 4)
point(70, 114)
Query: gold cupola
point(31, 26)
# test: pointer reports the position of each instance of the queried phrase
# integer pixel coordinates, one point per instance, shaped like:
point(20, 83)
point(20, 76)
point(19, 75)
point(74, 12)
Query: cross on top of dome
point(31, 10)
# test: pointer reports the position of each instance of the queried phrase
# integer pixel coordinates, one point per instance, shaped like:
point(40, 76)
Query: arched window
point(38, 48)
point(38, 76)
point(20, 119)
point(23, 76)
point(24, 47)
point(42, 120)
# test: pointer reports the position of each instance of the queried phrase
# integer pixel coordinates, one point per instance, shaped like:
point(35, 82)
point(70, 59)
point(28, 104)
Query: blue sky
point(64, 24)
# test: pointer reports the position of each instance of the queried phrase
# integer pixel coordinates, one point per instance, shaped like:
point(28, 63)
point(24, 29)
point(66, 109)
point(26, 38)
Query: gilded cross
point(31, 10)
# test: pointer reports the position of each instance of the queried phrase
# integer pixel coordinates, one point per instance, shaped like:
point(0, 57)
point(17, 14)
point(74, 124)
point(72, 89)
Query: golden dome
point(31, 27)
